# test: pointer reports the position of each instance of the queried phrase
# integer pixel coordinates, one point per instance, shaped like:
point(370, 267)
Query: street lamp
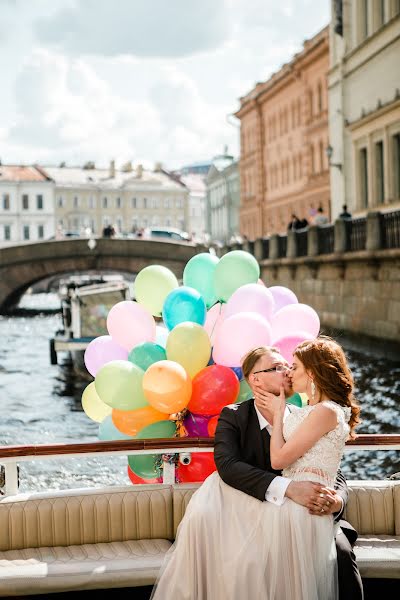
point(329, 152)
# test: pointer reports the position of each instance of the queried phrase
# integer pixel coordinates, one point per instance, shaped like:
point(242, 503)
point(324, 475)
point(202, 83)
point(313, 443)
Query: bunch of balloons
point(172, 358)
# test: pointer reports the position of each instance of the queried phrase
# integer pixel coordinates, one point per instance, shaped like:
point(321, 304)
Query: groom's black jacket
point(242, 456)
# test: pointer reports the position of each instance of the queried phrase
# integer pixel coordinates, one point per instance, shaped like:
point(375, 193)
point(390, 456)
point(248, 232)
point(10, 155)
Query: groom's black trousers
point(350, 584)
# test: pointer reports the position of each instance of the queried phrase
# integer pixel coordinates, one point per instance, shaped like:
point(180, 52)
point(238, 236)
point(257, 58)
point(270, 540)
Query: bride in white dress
point(231, 546)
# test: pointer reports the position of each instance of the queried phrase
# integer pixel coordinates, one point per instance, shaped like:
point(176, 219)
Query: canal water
point(41, 403)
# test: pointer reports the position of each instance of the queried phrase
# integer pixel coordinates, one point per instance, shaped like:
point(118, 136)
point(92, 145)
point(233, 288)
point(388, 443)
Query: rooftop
point(22, 173)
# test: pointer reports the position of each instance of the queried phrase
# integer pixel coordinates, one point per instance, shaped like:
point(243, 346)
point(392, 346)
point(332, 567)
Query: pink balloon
point(282, 296)
point(251, 297)
point(237, 335)
point(102, 350)
point(130, 324)
point(288, 343)
point(295, 317)
point(215, 317)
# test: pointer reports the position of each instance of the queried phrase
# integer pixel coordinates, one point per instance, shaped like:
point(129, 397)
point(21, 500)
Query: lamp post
point(329, 152)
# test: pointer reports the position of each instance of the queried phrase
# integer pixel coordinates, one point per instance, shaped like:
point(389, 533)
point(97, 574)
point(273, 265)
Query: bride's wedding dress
point(231, 546)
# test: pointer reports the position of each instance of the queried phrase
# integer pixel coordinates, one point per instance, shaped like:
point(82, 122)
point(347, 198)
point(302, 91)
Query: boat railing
point(169, 448)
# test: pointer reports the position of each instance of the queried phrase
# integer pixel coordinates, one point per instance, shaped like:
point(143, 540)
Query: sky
point(141, 80)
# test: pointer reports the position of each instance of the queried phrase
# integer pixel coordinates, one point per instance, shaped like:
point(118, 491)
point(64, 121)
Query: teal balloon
point(184, 304)
point(199, 274)
point(245, 392)
point(295, 399)
point(144, 355)
point(146, 465)
point(234, 269)
point(119, 384)
point(108, 431)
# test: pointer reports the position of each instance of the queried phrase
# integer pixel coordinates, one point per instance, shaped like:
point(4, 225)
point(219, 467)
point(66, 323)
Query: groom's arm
point(232, 469)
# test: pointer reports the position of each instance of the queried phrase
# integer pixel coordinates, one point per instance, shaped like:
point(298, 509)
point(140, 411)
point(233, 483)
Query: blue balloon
point(184, 304)
point(238, 372)
point(108, 431)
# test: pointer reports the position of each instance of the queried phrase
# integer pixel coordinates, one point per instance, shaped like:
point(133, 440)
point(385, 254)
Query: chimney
point(127, 167)
point(157, 167)
point(112, 169)
point(139, 171)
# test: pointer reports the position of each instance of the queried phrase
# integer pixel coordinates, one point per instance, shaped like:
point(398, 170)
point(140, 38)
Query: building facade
point(26, 205)
point(364, 99)
point(88, 199)
point(223, 199)
point(195, 183)
point(283, 141)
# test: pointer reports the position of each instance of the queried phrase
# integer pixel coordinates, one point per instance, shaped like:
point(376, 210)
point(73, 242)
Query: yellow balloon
point(152, 285)
point(189, 345)
point(93, 406)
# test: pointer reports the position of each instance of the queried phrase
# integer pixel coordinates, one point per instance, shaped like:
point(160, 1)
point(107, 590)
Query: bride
point(231, 545)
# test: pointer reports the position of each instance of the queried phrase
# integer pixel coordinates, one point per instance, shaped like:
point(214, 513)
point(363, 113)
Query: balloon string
point(215, 322)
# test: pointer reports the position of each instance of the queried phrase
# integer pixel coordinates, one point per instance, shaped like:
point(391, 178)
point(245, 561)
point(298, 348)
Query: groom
point(242, 457)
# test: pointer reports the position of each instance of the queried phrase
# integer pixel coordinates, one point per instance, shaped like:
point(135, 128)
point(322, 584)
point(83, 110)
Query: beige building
point(129, 198)
point(26, 204)
point(364, 100)
point(284, 136)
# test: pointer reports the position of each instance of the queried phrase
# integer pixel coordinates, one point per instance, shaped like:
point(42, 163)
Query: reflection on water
point(41, 403)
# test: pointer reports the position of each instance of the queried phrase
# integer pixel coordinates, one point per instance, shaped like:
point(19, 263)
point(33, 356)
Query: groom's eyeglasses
point(278, 369)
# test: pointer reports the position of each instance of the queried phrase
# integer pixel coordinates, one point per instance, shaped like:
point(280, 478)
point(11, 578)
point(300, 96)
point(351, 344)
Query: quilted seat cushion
point(378, 556)
point(82, 567)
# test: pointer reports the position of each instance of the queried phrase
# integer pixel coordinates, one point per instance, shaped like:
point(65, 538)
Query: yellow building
point(364, 105)
point(88, 198)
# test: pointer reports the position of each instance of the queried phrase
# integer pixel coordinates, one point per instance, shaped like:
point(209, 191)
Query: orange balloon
point(167, 386)
point(132, 421)
point(212, 425)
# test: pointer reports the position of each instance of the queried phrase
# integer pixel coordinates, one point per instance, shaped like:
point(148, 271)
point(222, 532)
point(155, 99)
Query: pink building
point(284, 135)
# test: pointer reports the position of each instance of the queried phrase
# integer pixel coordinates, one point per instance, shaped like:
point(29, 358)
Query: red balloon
point(213, 388)
point(212, 425)
point(136, 479)
point(200, 467)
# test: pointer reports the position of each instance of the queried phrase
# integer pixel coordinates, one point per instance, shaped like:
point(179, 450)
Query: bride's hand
point(267, 401)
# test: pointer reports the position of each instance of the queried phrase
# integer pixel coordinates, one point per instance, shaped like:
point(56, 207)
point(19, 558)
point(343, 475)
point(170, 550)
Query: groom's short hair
point(250, 359)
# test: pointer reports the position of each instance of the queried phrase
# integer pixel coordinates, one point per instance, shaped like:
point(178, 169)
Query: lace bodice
point(323, 459)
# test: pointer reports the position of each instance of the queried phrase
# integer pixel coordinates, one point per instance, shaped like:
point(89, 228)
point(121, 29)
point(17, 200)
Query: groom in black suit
point(242, 457)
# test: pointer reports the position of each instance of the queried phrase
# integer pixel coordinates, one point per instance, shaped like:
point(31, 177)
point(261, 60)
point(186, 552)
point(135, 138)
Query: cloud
point(157, 28)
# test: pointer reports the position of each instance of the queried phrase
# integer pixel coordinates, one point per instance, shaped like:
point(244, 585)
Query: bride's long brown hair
point(326, 361)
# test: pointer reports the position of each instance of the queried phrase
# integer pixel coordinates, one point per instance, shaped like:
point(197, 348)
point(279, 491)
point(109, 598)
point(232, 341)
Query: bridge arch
point(22, 266)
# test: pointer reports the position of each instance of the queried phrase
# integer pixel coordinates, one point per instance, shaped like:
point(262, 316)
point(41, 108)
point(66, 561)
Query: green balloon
point(295, 399)
point(152, 285)
point(145, 465)
point(144, 355)
point(234, 269)
point(199, 274)
point(161, 429)
point(245, 392)
point(119, 384)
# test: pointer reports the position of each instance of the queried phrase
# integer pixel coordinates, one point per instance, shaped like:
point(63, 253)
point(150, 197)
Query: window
point(166, 203)
point(319, 97)
point(25, 232)
point(396, 164)
point(312, 159)
point(363, 174)
point(39, 202)
point(105, 202)
point(76, 202)
point(380, 8)
point(118, 202)
point(364, 19)
point(7, 232)
point(379, 172)
point(179, 203)
point(144, 202)
point(92, 202)
point(25, 202)
point(6, 201)
point(321, 156)
point(134, 203)
point(60, 201)
point(40, 232)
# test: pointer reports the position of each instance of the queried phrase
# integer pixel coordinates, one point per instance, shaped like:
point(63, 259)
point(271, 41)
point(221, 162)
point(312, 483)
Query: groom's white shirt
point(277, 488)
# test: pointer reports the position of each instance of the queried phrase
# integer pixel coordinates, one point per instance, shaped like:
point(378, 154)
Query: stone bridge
point(22, 266)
